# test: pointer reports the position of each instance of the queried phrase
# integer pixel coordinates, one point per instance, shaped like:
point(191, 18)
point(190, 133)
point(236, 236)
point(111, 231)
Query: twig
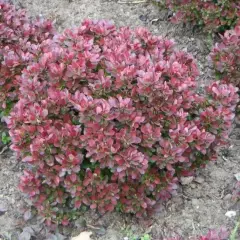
point(224, 158)
point(216, 197)
point(4, 149)
point(92, 227)
point(133, 2)
point(185, 196)
point(222, 194)
point(193, 226)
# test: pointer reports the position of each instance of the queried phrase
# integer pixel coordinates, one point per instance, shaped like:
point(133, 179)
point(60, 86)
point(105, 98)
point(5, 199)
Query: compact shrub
point(225, 57)
point(19, 45)
point(213, 15)
point(108, 119)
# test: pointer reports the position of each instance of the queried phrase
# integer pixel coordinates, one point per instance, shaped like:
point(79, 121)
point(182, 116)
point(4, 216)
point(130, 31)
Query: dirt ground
point(201, 203)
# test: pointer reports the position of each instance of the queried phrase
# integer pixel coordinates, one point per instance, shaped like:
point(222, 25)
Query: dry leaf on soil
point(83, 236)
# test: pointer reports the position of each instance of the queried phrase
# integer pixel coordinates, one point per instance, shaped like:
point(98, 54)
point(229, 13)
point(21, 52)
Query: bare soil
point(199, 206)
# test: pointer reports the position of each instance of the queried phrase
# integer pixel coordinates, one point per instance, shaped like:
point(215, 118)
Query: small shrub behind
point(225, 57)
point(19, 45)
point(216, 16)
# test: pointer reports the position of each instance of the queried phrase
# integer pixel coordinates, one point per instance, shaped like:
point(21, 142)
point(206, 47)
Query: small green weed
point(131, 236)
point(5, 138)
point(234, 232)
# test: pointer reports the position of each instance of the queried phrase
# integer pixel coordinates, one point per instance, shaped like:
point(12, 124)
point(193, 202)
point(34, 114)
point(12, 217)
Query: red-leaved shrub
point(19, 45)
point(213, 15)
point(225, 57)
point(109, 118)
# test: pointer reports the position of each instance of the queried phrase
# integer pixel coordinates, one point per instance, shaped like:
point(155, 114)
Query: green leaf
point(146, 237)
point(5, 138)
point(233, 235)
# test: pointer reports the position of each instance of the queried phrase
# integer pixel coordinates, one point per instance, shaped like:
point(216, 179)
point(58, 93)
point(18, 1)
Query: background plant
point(213, 15)
point(19, 45)
point(225, 57)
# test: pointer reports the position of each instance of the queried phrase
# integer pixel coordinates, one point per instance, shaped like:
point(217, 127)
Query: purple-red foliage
point(108, 118)
point(19, 45)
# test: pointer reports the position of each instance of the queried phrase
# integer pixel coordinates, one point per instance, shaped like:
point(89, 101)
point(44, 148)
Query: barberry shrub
point(212, 15)
point(20, 40)
point(108, 119)
point(225, 57)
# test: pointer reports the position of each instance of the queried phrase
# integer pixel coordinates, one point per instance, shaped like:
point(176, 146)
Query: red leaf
point(93, 206)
